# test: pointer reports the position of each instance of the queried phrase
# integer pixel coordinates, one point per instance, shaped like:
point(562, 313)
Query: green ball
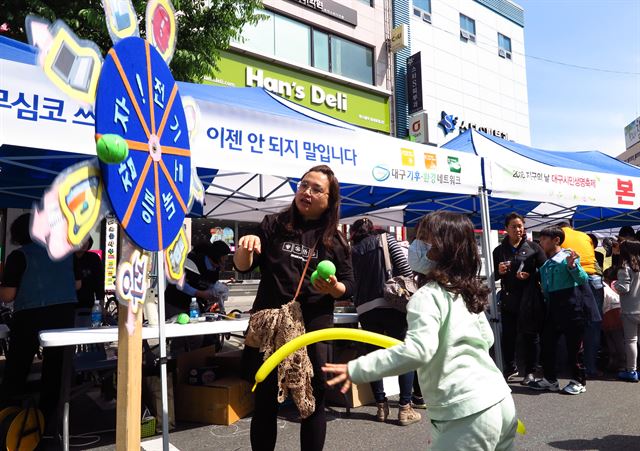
point(326, 269)
point(112, 149)
point(314, 277)
point(183, 318)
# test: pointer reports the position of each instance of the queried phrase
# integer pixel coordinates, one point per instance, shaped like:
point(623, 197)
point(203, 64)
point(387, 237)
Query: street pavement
point(606, 417)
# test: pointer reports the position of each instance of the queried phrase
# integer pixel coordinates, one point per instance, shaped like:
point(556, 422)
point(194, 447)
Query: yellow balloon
point(334, 333)
point(521, 428)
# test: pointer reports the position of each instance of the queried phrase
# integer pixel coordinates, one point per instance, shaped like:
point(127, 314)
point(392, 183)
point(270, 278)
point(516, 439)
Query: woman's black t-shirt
point(282, 261)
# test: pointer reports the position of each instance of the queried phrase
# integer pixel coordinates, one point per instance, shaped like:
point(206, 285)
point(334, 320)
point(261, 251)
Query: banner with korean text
point(562, 186)
point(33, 113)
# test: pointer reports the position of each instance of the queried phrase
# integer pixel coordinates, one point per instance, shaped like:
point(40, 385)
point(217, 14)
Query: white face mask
point(418, 260)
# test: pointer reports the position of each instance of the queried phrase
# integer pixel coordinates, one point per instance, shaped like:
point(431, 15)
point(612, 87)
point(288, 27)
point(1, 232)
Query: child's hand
point(571, 260)
point(341, 372)
point(522, 275)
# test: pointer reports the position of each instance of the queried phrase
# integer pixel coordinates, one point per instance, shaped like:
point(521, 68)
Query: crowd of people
point(557, 286)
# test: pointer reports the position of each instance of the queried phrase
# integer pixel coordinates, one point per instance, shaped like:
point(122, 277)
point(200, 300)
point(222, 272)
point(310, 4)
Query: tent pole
point(494, 319)
point(163, 350)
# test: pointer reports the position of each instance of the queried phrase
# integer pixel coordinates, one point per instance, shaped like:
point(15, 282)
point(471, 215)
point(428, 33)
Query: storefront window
point(260, 37)
point(292, 40)
point(351, 60)
point(320, 50)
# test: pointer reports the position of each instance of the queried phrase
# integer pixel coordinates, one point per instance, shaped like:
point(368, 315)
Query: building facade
point(327, 55)
point(463, 67)
point(632, 143)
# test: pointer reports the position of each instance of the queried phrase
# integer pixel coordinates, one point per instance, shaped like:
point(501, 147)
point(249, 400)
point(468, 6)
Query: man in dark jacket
point(522, 310)
point(202, 271)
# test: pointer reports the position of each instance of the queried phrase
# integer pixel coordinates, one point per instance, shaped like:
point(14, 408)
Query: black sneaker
point(528, 378)
point(417, 402)
point(511, 375)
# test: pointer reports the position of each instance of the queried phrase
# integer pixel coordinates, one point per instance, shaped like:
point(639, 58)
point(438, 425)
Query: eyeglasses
point(315, 191)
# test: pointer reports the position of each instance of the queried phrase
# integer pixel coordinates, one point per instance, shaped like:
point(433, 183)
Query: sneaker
point(511, 375)
point(383, 411)
point(629, 376)
point(544, 384)
point(407, 416)
point(574, 388)
point(527, 379)
point(417, 402)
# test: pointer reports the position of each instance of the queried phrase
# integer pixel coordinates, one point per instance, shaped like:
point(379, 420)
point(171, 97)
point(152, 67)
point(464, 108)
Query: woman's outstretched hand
point(341, 374)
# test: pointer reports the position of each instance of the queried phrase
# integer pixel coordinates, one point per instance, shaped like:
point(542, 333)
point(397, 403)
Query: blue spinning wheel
point(137, 98)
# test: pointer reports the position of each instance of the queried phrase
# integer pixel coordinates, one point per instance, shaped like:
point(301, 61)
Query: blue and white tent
point(248, 145)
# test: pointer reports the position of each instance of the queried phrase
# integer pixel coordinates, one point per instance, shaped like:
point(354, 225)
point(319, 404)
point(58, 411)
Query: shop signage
point(255, 77)
point(353, 105)
point(448, 124)
point(331, 9)
point(418, 127)
point(464, 126)
point(414, 83)
point(632, 133)
point(399, 38)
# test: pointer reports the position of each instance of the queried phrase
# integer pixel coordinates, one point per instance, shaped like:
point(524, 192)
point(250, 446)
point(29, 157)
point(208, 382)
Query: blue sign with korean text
point(138, 99)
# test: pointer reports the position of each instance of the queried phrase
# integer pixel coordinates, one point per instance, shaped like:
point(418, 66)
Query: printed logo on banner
point(408, 157)
point(447, 122)
point(430, 161)
point(380, 173)
point(454, 165)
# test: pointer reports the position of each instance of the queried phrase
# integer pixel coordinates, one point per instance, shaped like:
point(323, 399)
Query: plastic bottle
point(194, 309)
point(96, 314)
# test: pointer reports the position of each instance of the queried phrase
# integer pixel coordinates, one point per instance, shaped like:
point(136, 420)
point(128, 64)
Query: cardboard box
point(359, 394)
point(199, 358)
point(224, 402)
point(205, 375)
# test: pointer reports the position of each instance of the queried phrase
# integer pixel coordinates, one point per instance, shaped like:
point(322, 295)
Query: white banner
point(235, 138)
point(568, 187)
point(33, 113)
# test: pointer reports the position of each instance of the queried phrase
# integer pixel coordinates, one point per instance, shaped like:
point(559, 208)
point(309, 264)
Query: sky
point(572, 108)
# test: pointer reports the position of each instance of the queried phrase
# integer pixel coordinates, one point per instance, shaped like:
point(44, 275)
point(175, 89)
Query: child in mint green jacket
point(448, 341)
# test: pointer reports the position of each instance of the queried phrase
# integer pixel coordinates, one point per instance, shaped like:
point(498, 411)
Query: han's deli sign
point(342, 102)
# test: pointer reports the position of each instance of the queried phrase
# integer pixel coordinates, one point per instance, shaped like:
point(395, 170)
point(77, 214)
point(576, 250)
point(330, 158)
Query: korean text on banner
point(564, 186)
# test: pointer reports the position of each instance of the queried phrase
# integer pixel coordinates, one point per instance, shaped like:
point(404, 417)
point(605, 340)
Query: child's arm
point(419, 346)
point(623, 284)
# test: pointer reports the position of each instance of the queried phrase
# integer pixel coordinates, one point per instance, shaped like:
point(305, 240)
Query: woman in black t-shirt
point(281, 248)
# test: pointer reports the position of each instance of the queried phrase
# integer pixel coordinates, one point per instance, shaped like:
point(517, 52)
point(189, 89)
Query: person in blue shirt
point(570, 305)
point(43, 292)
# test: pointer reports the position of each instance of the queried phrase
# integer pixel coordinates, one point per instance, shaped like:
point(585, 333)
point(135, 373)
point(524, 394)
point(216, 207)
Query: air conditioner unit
point(502, 53)
point(472, 37)
point(509, 55)
point(426, 17)
point(464, 34)
point(417, 12)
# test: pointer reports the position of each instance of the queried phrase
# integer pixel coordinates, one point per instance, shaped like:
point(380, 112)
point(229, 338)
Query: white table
point(86, 335)
point(4, 331)
point(107, 334)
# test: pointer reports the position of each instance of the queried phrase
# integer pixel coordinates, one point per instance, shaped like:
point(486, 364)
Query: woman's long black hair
point(291, 219)
point(630, 254)
point(454, 249)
